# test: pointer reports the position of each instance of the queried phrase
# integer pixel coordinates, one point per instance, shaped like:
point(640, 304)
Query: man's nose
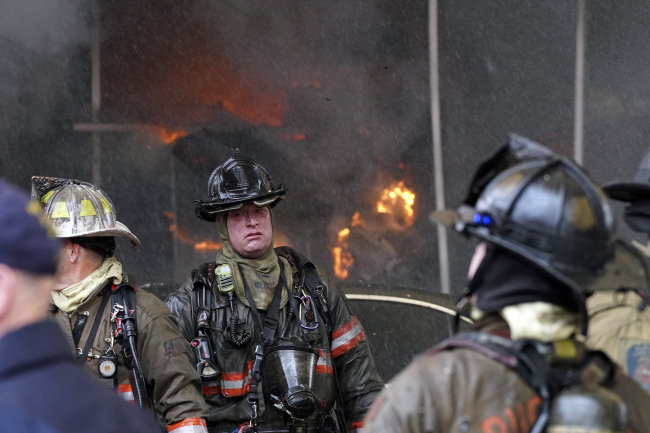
point(251, 220)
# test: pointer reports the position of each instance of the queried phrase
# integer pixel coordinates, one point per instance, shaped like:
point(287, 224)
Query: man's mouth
point(253, 235)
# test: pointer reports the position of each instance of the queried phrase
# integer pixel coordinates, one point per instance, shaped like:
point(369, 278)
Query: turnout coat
point(173, 385)
point(462, 390)
point(344, 352)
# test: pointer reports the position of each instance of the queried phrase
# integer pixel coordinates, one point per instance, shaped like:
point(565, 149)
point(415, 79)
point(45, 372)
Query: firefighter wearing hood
point(276, 346)
point(547, 240)
point(619, 321)
point(124, 337)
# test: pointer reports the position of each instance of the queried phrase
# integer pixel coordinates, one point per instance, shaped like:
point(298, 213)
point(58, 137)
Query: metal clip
point(307, 302)
point(116, 310)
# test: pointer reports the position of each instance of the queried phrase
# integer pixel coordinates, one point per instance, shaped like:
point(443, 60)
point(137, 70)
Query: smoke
point(47, 26)
point(42, 80)
point(37, 41)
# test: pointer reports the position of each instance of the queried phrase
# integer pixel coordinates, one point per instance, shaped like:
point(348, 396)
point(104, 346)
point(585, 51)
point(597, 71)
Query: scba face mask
point(288, 371)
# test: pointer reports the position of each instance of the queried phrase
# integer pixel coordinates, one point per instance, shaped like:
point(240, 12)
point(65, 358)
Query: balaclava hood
point(261, 274)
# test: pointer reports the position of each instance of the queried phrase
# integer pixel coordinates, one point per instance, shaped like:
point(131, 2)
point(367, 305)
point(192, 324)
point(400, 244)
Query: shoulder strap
point(81, 360)
point(202, 280)
point(123, 317)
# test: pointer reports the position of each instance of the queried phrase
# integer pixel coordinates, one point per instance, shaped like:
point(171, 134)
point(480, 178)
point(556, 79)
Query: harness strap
point(124, 305)
point(81, 359)
point(267, 333)
point(314, 285)
point(270, 326)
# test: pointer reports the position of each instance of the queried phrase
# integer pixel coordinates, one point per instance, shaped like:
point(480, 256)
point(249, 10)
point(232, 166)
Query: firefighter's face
point(250, 230)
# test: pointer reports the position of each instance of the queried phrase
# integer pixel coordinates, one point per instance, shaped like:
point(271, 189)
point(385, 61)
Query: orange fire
point(168, 136)
point(294, 137)
point(203, 246)
point(397, 200)
point(343, 259)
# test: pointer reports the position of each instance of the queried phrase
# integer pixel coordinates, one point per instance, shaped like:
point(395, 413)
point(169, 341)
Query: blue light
point(477, 218)
point(486, 220)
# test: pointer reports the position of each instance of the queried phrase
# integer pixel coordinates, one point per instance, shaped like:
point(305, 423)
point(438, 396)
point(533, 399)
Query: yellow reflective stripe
point(60, 210)
point(107, 207)
point(87, 209)
point(565, 349)
point(47, 196)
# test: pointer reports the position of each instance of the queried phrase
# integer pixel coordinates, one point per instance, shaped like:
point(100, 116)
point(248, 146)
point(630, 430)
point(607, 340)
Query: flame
point(294, 137)
point(397, 200)
point(343, 258)
point(168, 136)
point(357, 220)
point(203, 246)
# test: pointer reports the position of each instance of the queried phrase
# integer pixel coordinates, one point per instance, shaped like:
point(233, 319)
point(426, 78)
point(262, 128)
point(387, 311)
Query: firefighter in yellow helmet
point(123, 336)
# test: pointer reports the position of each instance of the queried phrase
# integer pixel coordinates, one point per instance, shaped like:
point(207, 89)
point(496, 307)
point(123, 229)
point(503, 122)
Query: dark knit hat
point(27, 242)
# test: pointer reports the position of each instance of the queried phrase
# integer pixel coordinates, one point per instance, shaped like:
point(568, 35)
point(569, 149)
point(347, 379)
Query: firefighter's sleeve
point(179, 303)
point(355, 367)
point(167, 363)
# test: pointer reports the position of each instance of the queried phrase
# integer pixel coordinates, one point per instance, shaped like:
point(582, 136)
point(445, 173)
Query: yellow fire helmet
point(78, 209)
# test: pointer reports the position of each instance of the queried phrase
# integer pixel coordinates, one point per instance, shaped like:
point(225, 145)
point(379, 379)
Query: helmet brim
point(627, 191)
point(120, 230)
point(628, 269)
point(208, 210)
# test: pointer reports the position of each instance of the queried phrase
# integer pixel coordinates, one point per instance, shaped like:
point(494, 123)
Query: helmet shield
point(236, 181)
point(288, 372)
point(78, 209)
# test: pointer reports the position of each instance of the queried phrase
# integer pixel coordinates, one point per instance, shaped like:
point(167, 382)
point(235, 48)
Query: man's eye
point(261, 210)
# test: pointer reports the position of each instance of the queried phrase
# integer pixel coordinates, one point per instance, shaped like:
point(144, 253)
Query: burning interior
point(190, 84)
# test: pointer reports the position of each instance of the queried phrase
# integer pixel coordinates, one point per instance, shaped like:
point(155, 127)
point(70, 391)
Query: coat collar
point(33, 345)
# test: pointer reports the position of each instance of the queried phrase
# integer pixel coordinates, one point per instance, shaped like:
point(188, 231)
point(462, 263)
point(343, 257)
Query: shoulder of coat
point(149, 306)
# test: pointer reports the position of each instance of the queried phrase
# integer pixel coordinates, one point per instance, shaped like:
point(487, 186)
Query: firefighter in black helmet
point(276, 345)
point(547, 240)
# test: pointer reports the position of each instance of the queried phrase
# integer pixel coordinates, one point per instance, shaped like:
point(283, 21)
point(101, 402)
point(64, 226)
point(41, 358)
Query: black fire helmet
point(637, 193)
point(544, 209)
point(235, 182)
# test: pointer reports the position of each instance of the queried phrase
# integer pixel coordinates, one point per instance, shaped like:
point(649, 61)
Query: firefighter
point(121, 335)
point(547, 238)
point(619, 322)
point(257, 303)
point(41, 389)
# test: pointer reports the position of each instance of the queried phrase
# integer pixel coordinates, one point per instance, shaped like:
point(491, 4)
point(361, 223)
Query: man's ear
point(71, 252)
point(8, 279)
